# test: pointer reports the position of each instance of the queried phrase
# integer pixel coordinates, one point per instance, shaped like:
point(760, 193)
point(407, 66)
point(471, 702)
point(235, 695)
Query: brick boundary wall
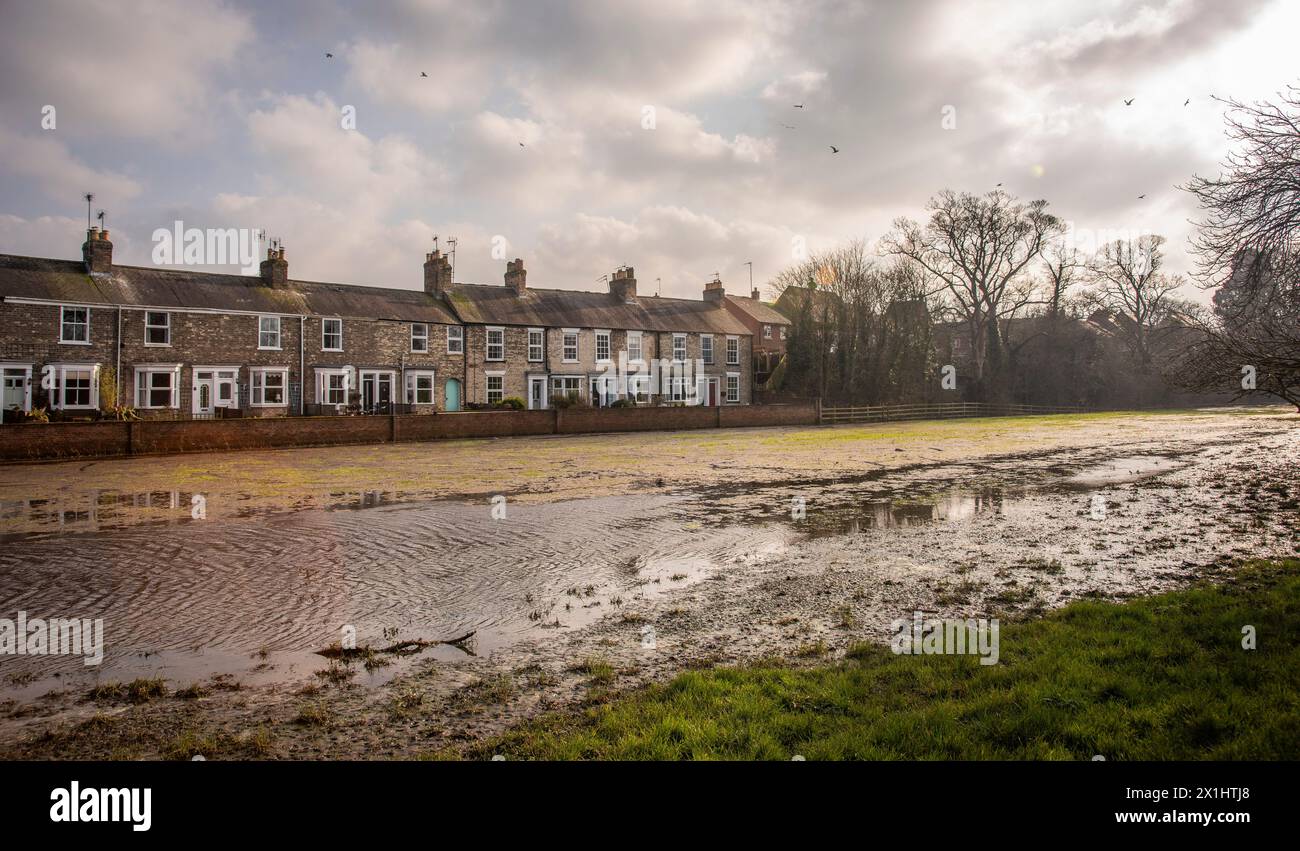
point(52, 441)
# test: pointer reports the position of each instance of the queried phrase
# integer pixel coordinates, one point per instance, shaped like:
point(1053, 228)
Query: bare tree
point(1130, 285)
point(978, 248)
point(1062, 267)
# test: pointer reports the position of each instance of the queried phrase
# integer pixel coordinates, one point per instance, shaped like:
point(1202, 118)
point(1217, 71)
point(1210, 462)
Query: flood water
point(256, 596)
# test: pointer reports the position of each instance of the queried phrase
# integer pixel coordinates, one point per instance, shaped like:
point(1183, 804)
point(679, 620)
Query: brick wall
point(72, 440)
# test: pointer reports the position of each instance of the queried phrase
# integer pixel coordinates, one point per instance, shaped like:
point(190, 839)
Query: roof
point(498, 305)
point(759, 310)
point(67, 281)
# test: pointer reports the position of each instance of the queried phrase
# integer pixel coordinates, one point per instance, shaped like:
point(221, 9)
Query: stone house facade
point(81, 337)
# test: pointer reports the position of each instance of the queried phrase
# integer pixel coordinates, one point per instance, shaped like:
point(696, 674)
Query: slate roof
point(67, 281)
point(759, 310)
point(498, 305)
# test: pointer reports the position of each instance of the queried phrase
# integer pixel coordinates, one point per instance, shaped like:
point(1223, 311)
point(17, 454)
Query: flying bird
point(786, 126)
point(1140, 197)
point(1129, 102)
point(422, 74)
point(1186, 102)
point(834, 150)
point(329, 55)
point(999, 184)
point(798, 106)
point(521, 144)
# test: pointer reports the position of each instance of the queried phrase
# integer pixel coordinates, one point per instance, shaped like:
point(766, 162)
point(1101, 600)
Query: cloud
point(45, 160)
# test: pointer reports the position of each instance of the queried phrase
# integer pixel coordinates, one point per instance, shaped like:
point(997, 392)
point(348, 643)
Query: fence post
point(818, 402)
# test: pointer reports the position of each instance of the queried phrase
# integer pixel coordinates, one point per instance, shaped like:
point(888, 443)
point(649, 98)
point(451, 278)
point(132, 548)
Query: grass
point(1163, 677)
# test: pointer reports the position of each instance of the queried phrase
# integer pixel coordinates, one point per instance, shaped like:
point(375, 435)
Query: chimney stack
point(275, 269)
point(714, 291)
point(97, 251)
point(622, 284)
point(516, 276)
point(437, 273)
point(755, 295)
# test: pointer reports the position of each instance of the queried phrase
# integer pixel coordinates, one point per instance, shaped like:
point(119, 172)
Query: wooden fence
point(947, 410)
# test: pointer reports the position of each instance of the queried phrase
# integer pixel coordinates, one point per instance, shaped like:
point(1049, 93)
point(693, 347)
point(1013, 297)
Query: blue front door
point(453, 394)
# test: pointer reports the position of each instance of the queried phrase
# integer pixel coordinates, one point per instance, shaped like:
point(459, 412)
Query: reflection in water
point(206, 595)
point(876, 513)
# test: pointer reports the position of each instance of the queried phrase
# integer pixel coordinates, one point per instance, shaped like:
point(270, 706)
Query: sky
point(582, 136)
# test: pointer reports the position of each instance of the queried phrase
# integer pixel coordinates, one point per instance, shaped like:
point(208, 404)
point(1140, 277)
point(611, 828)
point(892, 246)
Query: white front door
point(16, 391)
point(203, 392)
point(536, 392)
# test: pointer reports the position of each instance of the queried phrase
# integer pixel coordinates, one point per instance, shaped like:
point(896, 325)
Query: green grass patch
point(1163, 677)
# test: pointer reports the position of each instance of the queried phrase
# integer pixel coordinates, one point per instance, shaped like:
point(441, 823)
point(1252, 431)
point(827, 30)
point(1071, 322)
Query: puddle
point(1119, 470)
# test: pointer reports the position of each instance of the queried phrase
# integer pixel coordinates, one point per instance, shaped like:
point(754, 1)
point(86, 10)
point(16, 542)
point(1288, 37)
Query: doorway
point(376, 391)
point(453, 394)
point(536, 392)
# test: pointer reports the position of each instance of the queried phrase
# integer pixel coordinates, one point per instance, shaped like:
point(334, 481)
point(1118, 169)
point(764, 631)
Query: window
point(268, 332)
point(570, 345)
point(157, 328)
point(679, 347)
point(74, 385)
point(767, 332)
point(496, 344)
point(782, 332)
point(331, 335)
point(733, 351)
point(495, 388)
point(419, 337)
point(563, 386)
point(332, 386)
point(535, 346)
point(634, 346)
point(155, 386)
point(602, 346)
point(706, 347)
point(681, 389)
point(638, 388)
point(455, 340)
point(74, 326)
point(419, 387)
point(269, 386)
point(733, 387)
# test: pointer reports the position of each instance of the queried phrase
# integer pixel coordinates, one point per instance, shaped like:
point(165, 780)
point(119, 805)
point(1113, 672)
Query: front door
point(536, 392)
point(14, 394)
point(205, 386)
point(376, 392)
point(453, 394)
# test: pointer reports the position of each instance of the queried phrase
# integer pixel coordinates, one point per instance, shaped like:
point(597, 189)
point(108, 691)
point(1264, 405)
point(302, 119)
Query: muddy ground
point(622, 559)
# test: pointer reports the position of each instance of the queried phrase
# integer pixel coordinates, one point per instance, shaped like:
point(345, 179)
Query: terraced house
point(81, 337)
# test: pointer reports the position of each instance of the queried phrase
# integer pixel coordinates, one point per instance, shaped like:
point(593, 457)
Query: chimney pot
point(437, 273)
point(275, 269)
point(714, 290)
point(622, 284)
point(516, 276)
point(755, 295)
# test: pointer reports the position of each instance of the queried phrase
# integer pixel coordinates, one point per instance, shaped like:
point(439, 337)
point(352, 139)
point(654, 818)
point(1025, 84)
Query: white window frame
point(487, 388)
point(323, 334)
point(63, 323)
point(602, 334)
point(456, 335)
point(540, 345)
point(420, 331)
point(783, 331)
point(639, 357)
point(487, 344)
point(412, 390)
point(727, 388)
point(681, 388)
point(323, 375)
point(682, 358)
point(706, 348)
point(61, 371)
point(166, 327)
point(262, 371)
point(733, 349)
point(559, 385)
point(564, 347)
point(142, 394)
point(260, 332)
point(767, 332)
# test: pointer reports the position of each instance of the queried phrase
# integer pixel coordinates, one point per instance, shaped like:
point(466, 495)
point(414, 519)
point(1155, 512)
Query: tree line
point(997, 287)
